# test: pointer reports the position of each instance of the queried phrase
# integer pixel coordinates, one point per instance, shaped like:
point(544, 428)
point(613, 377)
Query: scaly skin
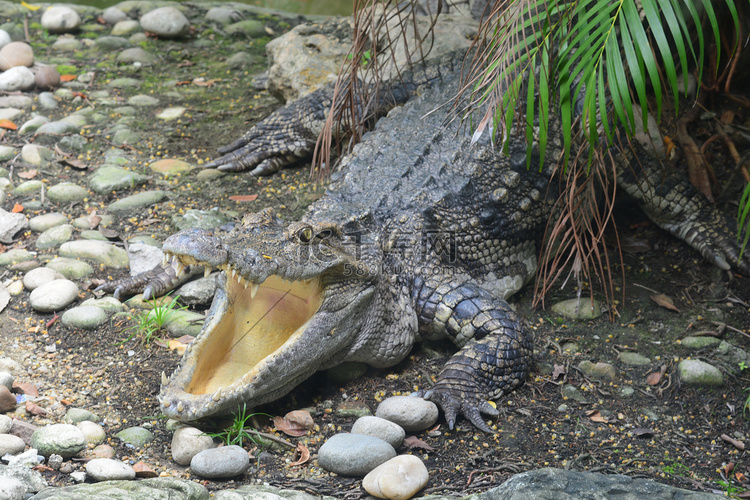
point(421, 235)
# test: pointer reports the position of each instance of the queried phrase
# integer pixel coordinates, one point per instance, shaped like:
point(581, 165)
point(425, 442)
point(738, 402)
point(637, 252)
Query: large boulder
point(309, 56)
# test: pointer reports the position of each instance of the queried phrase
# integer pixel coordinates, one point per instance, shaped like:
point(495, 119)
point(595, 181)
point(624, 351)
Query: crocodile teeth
point(164, 378)
point(179, 267)
point(253, 290)
point(165, 260)
point(167, 403)
point(180, 407)
point(206, 271)
point(217, 396)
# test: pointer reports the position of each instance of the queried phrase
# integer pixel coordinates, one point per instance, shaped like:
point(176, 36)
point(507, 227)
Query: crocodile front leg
point(154, 283)
point(496, 353)
point(286, 136)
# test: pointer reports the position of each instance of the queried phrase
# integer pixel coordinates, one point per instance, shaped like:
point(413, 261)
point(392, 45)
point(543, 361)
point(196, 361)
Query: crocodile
point(424, 233)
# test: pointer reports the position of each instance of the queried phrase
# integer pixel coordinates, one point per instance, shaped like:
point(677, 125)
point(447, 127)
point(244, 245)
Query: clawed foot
point(286, 136)
point(455, 401)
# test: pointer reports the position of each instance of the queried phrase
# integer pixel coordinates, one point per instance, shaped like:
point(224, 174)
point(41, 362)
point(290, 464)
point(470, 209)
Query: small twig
point(646, 288)
point(271, 437)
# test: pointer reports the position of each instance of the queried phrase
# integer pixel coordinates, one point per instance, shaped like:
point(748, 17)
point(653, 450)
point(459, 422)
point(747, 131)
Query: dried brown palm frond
point(382, 33)
point(574, 237)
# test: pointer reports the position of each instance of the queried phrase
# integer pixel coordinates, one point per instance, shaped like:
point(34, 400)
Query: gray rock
point(262, 492)
point(185, 323)
point(75, 415)
point(113, 15)
point(200, 291)
point(600, 371)
point(16, 54)
point(572, 392)
point(240, 60)
point(92, 432)
point(143, 257)
point(699, 373)
point(53, 296)
point(31, 479)
point(293, 73)
point(65, 440)
point(122, 83)
point(32, 187)
point(222, 15)
point(204, 219)
point(67, 44)
point(39, 276)
point(106, 469)
point(92, 234)
point(167, 22)
point(734, 357)
point(109, 43)
point(36, 155)
point(142, 100)
point(6, 379)
point(137, 201)
point(187, 442)
point(380, 428)
point(33, 124)
point(353, 454)
point(14, 256)
point(67, 192)
point(41, 223)
point(126, 27)
point(625, 391)
point(11, 445)
point(700, 342)
point(578, 309)
point(5, 422)
point(16, 78)
point(124, 137)
point(84, 317)
point(60, 19)
point(11, 366)
point(7, 153)
point(171, 113)
point(110, 305)
point(10, 225)
point(136, 54)
point(4, 38)
point(411, 413)
point(158, 488)
point(112, 178)
point(47, 100)
point(559, 484)
point(71, 268)
point(399, 478)
point(54, 237)
point(227, 461)
point(250, 27)
point(16, 101)
point(136, 436)
point(12, 489)
point(634, 359)
point(57, 128)
point(98, 251)
point(10, 113)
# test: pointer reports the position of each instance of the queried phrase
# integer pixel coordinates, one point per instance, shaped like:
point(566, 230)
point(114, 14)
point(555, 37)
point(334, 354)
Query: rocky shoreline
point(106, 117)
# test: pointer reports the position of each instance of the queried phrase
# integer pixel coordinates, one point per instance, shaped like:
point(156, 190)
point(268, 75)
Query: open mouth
point(257, 322)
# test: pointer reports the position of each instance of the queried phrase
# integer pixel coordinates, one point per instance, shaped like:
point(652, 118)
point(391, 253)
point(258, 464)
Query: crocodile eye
point(305, 234)
point(325, 233)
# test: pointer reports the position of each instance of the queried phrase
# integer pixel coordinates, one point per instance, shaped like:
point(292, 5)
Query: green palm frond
point(596, 58)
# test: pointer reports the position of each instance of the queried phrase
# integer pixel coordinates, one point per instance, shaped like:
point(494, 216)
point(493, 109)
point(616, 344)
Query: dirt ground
point(663, 431)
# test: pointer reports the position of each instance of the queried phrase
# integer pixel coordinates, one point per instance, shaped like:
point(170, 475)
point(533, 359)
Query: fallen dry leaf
point(7, 124)
point(244, 197)
point(76, 164)
point(655, 377)
point(25, 388)
point(734, 442)
point(143, 470)
point(415, 442)
point(17, 208)
point(177, 346)
point(110, 234)
point(28, 174)
point(185, 339)
point(643, 432)
point(557, 371)
point(664, 302)
point(303, 453)
point(67, 78)
point(596, 416)
point(295, 423)
point(35, 409)
point(740, 477)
